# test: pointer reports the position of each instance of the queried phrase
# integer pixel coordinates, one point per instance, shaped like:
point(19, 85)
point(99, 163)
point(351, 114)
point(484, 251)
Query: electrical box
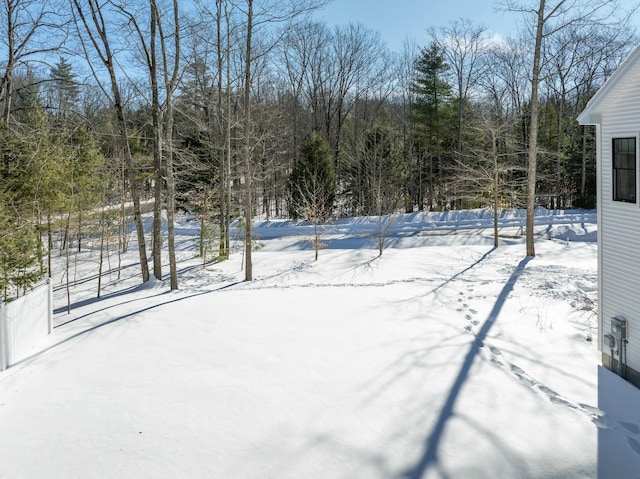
point(619, 328)
point(609, 341)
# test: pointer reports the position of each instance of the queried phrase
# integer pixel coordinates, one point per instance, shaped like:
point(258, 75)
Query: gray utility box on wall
point(609, 341)
point(619, 328)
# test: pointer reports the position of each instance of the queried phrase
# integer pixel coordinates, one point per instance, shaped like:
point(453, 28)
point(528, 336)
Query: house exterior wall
point(619, 222)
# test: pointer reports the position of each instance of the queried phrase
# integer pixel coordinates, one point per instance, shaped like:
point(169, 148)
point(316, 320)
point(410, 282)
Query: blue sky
point(400, 19)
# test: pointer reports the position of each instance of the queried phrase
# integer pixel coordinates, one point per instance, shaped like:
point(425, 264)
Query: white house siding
point(620, 222)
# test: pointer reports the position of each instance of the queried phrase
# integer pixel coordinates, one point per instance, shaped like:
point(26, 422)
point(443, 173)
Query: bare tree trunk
point(496, 186)
point(559, 149)
point(103, 228)
point(67, 272)
point(248, 201)
point(135, 189)
point(97, 33)
point(170, 82)
point(79, 230)
point(156, 114)
point(122, 231)
point(162, 126)
point(222, 251)
point(227, 216)
point(8, 91)
point(533, 134)
point(171, 205)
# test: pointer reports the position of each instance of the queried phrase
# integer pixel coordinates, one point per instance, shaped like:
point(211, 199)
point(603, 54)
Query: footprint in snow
point(547, 391)
point(601, 422)
point(596, 415)
point(522, 376)
point(495, 350)
point(557, 399)
point(591, 409)
point(473, 311)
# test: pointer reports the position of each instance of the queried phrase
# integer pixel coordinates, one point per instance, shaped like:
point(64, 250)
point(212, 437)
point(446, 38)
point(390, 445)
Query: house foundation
point(628, 373)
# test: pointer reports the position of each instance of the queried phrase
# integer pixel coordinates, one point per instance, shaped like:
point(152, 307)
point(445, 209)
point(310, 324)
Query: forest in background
point(229, 109)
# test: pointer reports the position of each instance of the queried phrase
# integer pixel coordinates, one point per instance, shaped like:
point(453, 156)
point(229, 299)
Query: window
point(624, 169)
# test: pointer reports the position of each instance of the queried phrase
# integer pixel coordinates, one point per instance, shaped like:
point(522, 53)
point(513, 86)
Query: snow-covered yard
point(443, 358)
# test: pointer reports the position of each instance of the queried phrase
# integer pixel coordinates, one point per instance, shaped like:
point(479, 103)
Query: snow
point(443, 358)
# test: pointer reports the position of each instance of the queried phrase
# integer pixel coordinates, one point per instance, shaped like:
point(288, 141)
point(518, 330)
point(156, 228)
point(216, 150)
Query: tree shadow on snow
point(87, 278)
point(119, 318)
point(429, 456)
point(94, 300)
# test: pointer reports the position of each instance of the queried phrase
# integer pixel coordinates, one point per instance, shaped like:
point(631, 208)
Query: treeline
point(230, 109)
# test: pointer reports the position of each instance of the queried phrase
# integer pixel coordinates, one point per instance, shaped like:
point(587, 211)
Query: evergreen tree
point(23, 165)
point(18, 252)
point(26, 108)
point(375, 166)
point(63, 91)
point(313, 185)
point(313, 179)
point(431, 112)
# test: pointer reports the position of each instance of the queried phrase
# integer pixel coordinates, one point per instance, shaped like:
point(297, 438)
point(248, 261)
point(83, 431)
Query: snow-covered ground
point(443, 358)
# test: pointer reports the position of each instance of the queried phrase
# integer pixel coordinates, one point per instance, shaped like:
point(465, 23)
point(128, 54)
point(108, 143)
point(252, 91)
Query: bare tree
point(547, 19)
point(224, 125)
point(29, 30)
point(262, 17)
point(148, 48)
point(300, 49)
point(486, 174)
point(163, 71)
point(572, 54)
point(609, 50)
point(464, 47)
point(311, 205)
point(170, 70)
point(95, 35)
point(215, 87)
point(542, 18)
point(248, 202)
point(313, 184)
point(404, 67)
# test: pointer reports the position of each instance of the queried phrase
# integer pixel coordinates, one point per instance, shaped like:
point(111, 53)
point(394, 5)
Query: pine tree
point(63, 92)
point(23, 155)
point(18, 251)
point(431, 111)
point(313, 185)
point(313, 179)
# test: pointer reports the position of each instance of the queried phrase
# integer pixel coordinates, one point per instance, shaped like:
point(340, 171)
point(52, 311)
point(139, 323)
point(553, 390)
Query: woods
point(216, 108)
